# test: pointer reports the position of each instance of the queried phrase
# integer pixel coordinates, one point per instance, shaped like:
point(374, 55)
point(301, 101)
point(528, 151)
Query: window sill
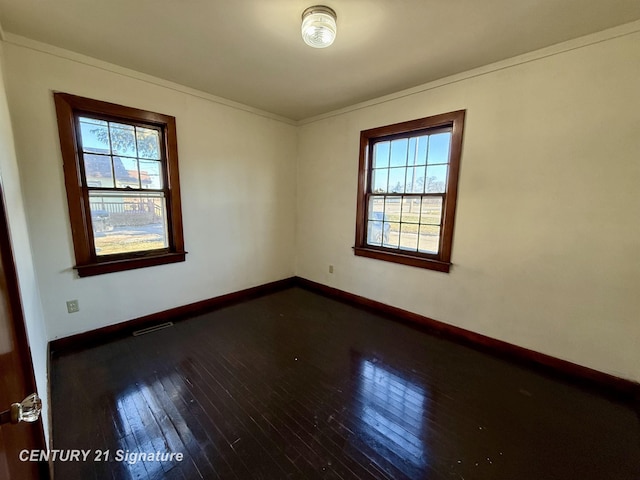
point(120, 265)
point(403, 258)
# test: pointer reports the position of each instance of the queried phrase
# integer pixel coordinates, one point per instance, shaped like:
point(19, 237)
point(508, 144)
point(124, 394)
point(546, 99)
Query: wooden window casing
point(449, 123)
point(69, 108)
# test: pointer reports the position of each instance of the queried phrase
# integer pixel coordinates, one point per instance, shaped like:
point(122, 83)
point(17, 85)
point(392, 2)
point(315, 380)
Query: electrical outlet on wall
point(73, 306)
point(330, 268)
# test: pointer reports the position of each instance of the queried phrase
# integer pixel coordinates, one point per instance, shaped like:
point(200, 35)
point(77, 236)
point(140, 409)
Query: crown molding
point(30, 44)
point(557, 49)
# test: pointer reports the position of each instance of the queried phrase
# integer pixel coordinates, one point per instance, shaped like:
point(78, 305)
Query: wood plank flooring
point(297, 385)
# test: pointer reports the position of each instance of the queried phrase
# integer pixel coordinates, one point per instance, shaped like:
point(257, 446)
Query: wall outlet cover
point(73, 306)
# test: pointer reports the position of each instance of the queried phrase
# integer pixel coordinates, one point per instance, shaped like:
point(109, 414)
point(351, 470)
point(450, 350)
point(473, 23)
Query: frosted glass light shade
point(319, 26)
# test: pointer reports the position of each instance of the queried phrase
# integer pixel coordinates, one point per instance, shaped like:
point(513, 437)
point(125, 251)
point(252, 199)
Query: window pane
point(123, 140)
point(439, 148)
point(429, 240)
point(148, 143)
point(431, 210)
point(409, 236)
point(422, 150)
point(436, 178)
point(397, 179)
point(381, 155)
point(393, 237)
point(379, 180)
point(412, 154)
point(97, 169)
point(151, 174)
point(392, 208)
point(410, 210)
point(376, 208)
point(126, 172)
point(375, 233)
point(399, 153)
point(94, 135)
point(415, 180)
point(128, 222)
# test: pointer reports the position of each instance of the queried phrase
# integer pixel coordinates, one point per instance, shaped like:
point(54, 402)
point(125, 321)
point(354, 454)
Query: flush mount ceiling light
point(319, 26)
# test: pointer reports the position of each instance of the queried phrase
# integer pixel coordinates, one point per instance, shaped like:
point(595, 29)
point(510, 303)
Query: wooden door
point(16, 371)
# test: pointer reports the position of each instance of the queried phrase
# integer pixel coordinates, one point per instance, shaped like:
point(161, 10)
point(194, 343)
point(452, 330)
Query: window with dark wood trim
point(407, 187)
point(123, 189)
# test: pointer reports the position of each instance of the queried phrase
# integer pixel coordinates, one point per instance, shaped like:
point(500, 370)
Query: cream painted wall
point(20, 239)
point(237, 173)
point(546, 249)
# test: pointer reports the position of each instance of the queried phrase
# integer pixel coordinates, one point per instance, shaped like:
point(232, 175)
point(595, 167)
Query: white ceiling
point(251, 51)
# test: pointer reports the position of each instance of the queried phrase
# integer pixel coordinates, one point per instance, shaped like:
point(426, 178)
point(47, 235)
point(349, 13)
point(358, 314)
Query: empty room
point(358, 239)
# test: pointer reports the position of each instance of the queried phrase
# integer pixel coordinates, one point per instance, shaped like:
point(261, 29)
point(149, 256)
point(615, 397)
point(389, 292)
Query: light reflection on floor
point(135, 408)
point(392, 411)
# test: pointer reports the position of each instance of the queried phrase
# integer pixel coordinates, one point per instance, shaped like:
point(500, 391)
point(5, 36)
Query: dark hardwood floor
point(296, 385)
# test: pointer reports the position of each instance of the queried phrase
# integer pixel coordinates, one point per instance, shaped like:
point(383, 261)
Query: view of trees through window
point(123, 171)
point(407, 187)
